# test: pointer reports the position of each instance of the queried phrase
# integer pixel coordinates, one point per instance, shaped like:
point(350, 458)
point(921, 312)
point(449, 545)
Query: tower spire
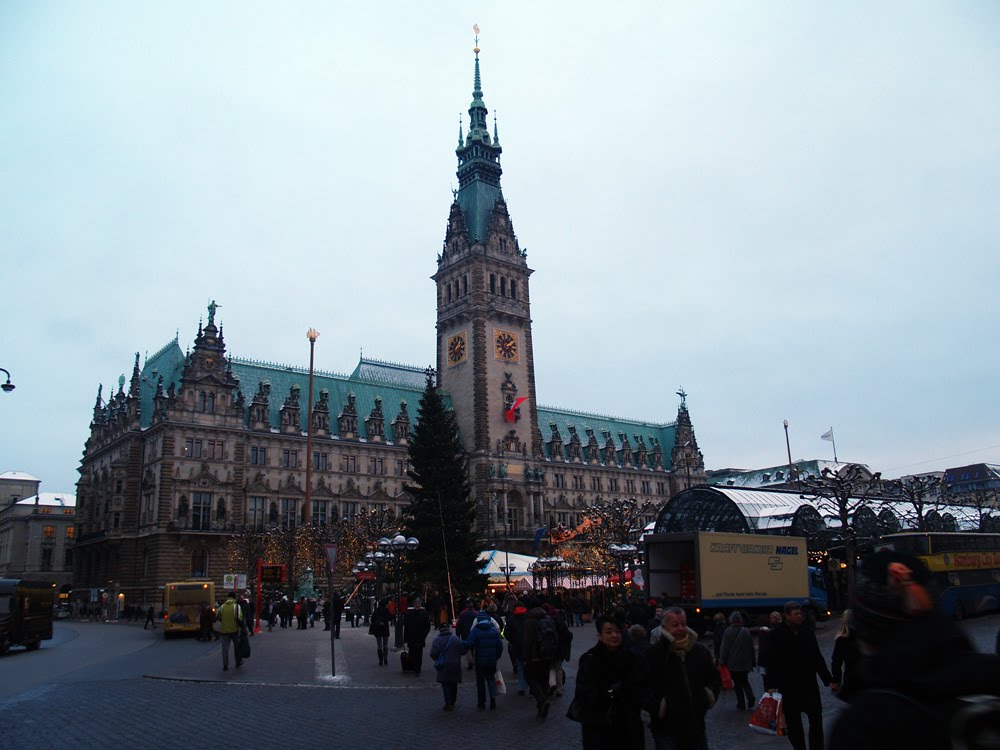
point(478, 162)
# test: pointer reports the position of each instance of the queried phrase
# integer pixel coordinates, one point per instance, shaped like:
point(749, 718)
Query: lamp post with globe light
point(398, 545)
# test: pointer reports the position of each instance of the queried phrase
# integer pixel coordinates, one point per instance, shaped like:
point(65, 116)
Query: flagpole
point(834, 441)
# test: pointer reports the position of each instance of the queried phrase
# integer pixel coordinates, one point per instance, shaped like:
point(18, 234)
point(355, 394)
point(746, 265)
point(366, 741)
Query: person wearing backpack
point(540, 647)
point(446, 653)
point(487, 647)
point(230, 617)
point(915, 669)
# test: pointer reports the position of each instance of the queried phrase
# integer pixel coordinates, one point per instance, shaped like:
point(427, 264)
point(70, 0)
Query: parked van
point(25, 613)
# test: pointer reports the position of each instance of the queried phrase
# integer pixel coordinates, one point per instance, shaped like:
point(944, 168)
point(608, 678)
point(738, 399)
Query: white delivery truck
point(707, 572)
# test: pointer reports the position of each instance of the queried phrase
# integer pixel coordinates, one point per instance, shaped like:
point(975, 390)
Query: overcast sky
point(789, 208)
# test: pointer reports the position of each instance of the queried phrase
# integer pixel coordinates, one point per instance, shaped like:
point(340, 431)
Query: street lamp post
point(312, 334)
point(507, 570)
point(622, 554)
point(398, 545)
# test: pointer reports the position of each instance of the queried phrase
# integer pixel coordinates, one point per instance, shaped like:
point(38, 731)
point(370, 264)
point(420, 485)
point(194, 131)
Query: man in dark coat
point(536, 666)
point(514, 633)
point(487, 647)
point(795, 662)
point(685, 684)
point(416, 626)
point(466, 619)
point(336, 612)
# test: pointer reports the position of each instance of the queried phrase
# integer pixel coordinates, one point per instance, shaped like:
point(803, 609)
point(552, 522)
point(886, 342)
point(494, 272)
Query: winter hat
point(444, 627)
point(483, 615)
point(890, 589)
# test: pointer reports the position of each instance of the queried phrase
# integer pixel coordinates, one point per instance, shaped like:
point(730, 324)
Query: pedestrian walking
point(416, 627)
point(448, 668)
point(379, 627)
point(206, 624)
point(540, 646)
point(843, 663)
point(514, 633)
point(764, 635)
point(795, 662)
point(738, 654)
point(336, 613)
point(463, 626)
point(230, 617)
point(916, 668)
point(487, 647)
point(149, 618)
point(611, 689)
point(685, 684)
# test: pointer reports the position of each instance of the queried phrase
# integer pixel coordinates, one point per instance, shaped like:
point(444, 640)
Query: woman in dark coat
point(379, 628)
point(450, 673)
point(611, 688)
point(844, 661)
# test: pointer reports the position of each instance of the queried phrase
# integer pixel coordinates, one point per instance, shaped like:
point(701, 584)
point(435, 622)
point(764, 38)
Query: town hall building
point(201, 443)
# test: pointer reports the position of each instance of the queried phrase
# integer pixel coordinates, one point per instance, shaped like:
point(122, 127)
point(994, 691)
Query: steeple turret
point(478, 165)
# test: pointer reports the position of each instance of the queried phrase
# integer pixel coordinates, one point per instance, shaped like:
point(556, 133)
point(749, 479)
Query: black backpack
point(548, 639)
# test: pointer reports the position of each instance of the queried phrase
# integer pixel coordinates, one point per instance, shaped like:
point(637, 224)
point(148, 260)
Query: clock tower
point(484, 346)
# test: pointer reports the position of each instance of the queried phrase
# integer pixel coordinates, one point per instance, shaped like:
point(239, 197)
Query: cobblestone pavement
point(285, 690)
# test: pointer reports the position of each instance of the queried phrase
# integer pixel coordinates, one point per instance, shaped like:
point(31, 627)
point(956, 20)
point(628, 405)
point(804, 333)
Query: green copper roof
point(478, 167)
point(581, 421)
point(391, 383)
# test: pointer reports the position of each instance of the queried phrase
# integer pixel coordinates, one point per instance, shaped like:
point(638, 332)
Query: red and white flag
point(510, 415)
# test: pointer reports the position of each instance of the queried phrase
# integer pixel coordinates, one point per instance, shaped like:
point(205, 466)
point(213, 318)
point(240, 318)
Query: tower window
point(465, 284)
point(503, 286)
point(449, 291)
point(493, 284)
point(513, 289)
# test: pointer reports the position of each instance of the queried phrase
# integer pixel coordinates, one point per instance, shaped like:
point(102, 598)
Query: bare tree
point(246, 547)
point(984, 502)
point(846, 494)
point(915, 497)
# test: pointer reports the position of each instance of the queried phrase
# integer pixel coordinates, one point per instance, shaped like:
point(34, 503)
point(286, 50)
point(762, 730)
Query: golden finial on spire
point(475, 29)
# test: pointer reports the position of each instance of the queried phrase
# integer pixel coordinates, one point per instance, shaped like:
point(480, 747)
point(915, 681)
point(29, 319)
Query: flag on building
point(828, 435)
point(510, 415)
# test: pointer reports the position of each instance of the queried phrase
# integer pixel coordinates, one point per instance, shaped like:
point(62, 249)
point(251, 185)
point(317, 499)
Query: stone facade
point(36, 538)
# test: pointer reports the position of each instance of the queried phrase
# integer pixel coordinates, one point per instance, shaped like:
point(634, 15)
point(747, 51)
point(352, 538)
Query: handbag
point(243, 645)
point(501, 685)
point(439, 662)
point(574, 712)
point(727, 679)
point(766, 717)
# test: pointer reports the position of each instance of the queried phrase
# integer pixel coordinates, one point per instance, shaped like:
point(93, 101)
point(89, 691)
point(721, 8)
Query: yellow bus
point(182, 603)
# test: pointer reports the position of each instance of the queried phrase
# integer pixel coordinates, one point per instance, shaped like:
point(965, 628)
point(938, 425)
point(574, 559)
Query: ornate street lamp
point(399, 544)
point(507, 570)
point(622, 554)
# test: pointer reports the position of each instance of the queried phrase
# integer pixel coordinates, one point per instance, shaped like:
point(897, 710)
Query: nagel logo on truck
point(754, 549)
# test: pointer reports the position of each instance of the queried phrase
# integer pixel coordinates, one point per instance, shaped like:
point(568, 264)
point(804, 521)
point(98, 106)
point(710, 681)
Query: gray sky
point(790, 208)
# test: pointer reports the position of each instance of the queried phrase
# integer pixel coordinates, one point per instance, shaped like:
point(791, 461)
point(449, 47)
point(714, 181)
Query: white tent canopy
point(492, 559)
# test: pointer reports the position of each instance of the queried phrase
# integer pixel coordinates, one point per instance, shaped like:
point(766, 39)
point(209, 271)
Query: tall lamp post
point(312, 334)
point(507, 570)
point(622, 553)
point(398, 545)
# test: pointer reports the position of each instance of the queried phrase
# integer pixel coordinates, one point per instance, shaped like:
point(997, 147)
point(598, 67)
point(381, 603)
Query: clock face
point(457, 349)
point(505, 345)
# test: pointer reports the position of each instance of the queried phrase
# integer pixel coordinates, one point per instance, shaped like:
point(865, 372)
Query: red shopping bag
point(767, 717)
point(727, 679)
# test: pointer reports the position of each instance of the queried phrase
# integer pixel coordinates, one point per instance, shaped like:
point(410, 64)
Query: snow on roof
point(20, 476)
point(59, 499)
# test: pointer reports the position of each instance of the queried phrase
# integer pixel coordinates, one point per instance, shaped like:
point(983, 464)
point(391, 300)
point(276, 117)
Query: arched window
point(199, 563)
